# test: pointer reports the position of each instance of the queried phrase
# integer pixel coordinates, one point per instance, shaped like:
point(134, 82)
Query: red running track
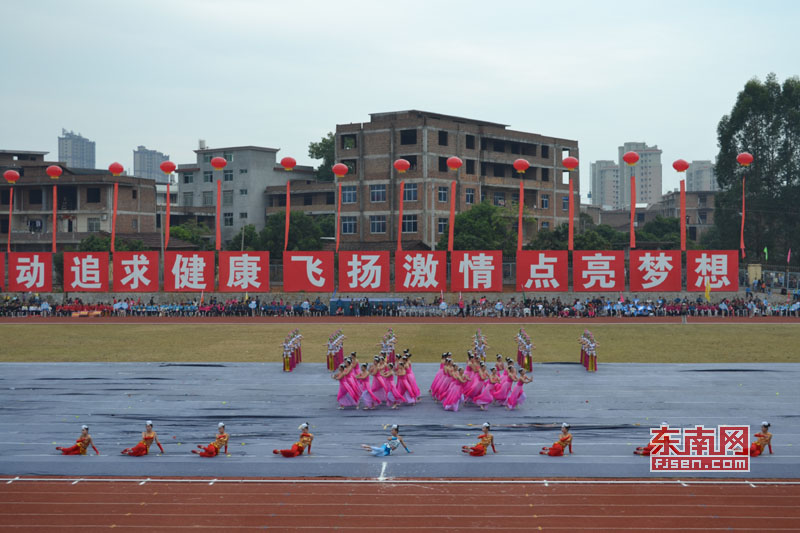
point(58, 506)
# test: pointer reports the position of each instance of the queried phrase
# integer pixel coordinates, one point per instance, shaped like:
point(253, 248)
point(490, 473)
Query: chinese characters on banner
point(719, 267)
point(420, 271)
point(188, 271)
point(85, 271)
point(135, 271)
point(244, 271)
point(476, 271)
point(30, 272)
point(364, 271)
point(308, 271)
point(542, 271)
point(655, 270)
point(598, 271)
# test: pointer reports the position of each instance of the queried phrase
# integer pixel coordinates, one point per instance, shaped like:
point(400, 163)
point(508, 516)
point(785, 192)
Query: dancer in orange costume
point(148, 437)
point(301, 445)
point(83, 442)
point(564, 442)
point(212, 450)
point(646, 450)
point(484, 441)
point(764, 441)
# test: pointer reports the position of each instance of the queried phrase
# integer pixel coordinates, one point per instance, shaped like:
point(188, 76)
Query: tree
point(325, 149)
point(765, 121)
point(483, 227)
point(252, 240)
point(191, 231)
point(304, 234)
point(101, 243)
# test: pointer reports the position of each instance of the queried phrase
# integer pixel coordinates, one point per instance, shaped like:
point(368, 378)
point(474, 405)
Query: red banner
point(683, 215)
point(2, 271)
point(451, 226)
point(243, 271)
point(85, 272)
point(114, 218)
point(720, 268)
point(308, 271)
point(420, 272)
point(166, 228)
point(633, 212)
point(476, 271)
point(188, 271)
point(399, 222)
point(655, 270)
point(338, 216)
point(30, 272)
point(288, 216)
point(219, 216)
point(542, 271)
point(363, 271)
point(135, 271)
point(598, 271)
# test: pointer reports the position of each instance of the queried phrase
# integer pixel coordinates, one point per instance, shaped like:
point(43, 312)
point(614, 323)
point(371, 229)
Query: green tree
point(102, 243)
point(765, 121)
point(252, 240)
point(483, 227)
point(325, 149)
point(191, 231)
point(304, 234)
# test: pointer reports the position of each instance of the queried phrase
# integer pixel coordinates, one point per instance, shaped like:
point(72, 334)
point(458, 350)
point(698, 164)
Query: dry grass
point(694, 343)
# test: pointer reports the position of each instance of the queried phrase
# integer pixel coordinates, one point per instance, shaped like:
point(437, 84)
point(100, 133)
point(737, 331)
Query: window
point(349, 194)
point(330, 198)
point(545, 225)
point(352, 165)
point(308, 199)
point(377, 223)
point(442, 138)
point(499, 146)
point(412, 160)
point(483, 195)
point(4, 195)
point(703, 218)
point(35, 196)
point(348, 142)
point(500, 198)
point(242, 192)
point(228, 156)
point(470, 142)
point(188, 177)
point(545, 151)
point(515, 198)
point(377, 193)
point(227, 175)
point(441, 225)
point(227, 198)
point(545, 201)
point(470, 166)
point(442, 164)
point(470, 196)
point(410, 192)
point(348, 225)
point(499, 171)
point(443, 193)
point(208, 177)
point(545, 174)
point(135, 224)
point(93, 224)
point(134, 194)
point(93, 195)
point(565, 203)
point(243, 216)
point(242, 171)
point(208, 198)
point(514, 148)
point(207, 158)
point(227, 219)
point(409, 223)
point(279, 200)
point(408, 136)
point(188, 199)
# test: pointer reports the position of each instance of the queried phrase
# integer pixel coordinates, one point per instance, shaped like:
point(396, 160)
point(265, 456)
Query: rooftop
point(235, 149)
point(374, 117)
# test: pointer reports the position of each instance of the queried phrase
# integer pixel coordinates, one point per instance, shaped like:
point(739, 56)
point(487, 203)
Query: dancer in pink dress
point(377, 387)
point(456, 394)
point(368, 398)
point(506, 381)
point(412, 379)
point(517, 396)
point(346, 397)
point(391, 389)
point(486, 397)
point(402, 384)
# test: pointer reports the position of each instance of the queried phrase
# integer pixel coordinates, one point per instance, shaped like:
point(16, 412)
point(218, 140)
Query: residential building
point(147, 164)
point(699, 210)
point(309, 195)
point(605, 184)
point(700, 177)
point(647, 171)
point(370, 190)
point(75, 151)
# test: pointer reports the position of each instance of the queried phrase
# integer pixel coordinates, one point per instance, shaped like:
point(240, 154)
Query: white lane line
point(77, 481)
point(145, 481)
point(682, 483)
point(213, 481)
point(10, 481)
point(382, 477)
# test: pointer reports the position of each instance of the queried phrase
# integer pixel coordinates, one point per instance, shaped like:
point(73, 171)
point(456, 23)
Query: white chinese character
point(655, 268)
point(30, 272)
point(364, 275)
point(312, 269)
point(243, 271)
point(85, 272)
point(188, 272)
point(598, 270)
point(420, 271)
point(481, 268)
point(714, 268)
point(542, 273)
point(135, 269)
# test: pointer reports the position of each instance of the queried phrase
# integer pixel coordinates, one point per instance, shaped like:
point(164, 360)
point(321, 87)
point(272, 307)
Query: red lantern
point(631, 158)
point(401, 165)
point(340, 169)
point(521, 165)
point(11, 176)
point(570, 163)
point(288, 163)
point(168, 167)
point(744, 159)
point(54, 171)
point(115, 169)
point(219, 163)
point(680, 165)
point(454, 163)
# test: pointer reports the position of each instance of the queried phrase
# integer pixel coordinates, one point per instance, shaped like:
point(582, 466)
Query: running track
point(398, 506)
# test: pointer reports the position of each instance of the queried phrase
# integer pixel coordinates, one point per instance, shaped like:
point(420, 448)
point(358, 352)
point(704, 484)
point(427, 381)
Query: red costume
point(298, 447)
point(764, 440)
point(480, 449)
point(557, 449)
point(80, 447)
point(212, 450)
point(143, 448)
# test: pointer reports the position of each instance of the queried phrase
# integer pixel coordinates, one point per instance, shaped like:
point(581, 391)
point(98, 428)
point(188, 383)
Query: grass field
point(641, 343)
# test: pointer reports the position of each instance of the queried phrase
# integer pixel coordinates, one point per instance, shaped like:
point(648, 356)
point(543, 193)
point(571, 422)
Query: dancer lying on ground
point(148, 437)
point(304, 443)
point(83, 442)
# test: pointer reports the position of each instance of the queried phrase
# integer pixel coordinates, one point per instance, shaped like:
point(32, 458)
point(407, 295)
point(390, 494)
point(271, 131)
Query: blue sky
point(281, 74)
